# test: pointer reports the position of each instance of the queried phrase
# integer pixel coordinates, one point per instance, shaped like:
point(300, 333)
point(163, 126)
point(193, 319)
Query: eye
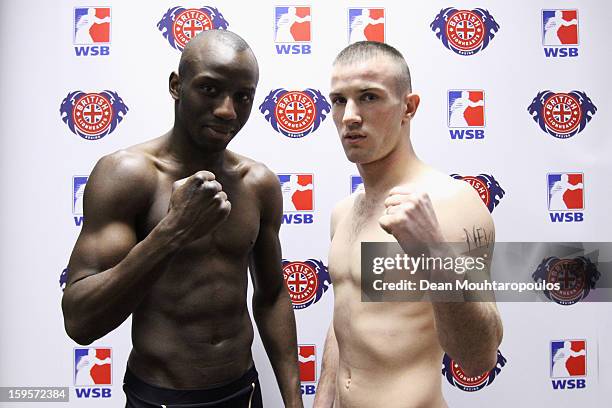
point(209, 89)
point(368, 97)
point(244, 97)
point(338, 100)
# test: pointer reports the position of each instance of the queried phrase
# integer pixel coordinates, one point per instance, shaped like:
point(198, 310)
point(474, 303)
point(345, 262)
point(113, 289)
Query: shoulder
point(257, 175)
point(341, 210)
point(459, 208)
point(471, 205)
point(125, 177)
point(259, 182)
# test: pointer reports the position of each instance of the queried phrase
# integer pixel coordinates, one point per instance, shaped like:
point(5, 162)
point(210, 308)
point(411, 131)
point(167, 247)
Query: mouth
point(223, 131)
point(353, 137)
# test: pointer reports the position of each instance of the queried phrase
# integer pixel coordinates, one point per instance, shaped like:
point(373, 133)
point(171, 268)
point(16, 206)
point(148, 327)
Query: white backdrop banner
point(514, 100)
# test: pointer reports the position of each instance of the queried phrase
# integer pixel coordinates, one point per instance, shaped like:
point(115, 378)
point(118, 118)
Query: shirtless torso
point(389, 353)
point(191, 326)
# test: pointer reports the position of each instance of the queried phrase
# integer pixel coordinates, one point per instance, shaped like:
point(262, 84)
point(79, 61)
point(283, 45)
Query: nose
point(351, 117)
point(225, 110)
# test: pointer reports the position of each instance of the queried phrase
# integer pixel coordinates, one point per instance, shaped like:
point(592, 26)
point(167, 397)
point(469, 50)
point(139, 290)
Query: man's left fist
point(410, 217)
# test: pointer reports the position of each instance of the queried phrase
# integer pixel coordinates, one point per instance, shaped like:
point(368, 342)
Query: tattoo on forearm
point(479, 237)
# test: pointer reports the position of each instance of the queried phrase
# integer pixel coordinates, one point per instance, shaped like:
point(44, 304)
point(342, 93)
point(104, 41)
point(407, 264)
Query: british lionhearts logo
point(298, 198)
point(568, 365)
point(92, 115)
point(565, 197)
point(560, 33)
point(63, 279)
point(562, 115)
point(91, 29)
point(356, 184)
point(464, 32)
point(366, 24)
point(466, 111)
point(576, 277)
point(295, 113)
point(487, 188)
point(456, 376)
point(306, 281)
point(179, 25)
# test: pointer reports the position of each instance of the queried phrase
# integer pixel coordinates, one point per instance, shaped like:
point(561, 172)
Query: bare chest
point(234, 237)
point(345, 251)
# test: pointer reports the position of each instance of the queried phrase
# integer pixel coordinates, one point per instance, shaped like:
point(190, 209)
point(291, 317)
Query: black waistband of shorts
point(154, 393)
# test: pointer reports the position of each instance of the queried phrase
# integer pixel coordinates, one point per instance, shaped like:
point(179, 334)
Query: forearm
point(276, 325)
point(469, 332)
point(326, 389)
point(96, 304)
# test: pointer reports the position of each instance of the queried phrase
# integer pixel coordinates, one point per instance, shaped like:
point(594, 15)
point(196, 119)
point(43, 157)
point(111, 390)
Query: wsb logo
point(466, 114)
point(292, 30)
point(298, 199)
point(91, 30)
point(78, 190)
point(560, 33)
point(92, 368)
point(568, 364)
point(566, 197)
point(307, 356)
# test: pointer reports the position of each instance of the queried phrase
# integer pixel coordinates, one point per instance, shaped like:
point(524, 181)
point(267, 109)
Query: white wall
point(39, 157)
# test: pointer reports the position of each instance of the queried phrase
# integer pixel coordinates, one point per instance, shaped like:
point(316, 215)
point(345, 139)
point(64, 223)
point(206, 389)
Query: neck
point(400, 166)
point(191, 157)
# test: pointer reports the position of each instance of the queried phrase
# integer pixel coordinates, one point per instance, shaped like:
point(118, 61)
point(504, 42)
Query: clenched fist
point(197, 207)
point(410, 217)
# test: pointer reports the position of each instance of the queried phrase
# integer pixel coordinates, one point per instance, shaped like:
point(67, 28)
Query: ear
point(174, 86)
point(411, 103)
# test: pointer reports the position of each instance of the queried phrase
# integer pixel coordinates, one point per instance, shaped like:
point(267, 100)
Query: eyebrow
point(212, 78)
point(371, 88)
point(361, 90)
point(207, 77)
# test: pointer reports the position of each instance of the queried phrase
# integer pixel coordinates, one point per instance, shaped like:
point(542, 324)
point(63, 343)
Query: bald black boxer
point(171, 226)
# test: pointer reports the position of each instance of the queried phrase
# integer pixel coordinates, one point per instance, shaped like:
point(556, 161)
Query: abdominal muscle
point(389, 355)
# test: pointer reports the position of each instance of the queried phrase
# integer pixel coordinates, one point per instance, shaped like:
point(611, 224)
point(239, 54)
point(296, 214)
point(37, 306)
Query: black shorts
point(243, 392)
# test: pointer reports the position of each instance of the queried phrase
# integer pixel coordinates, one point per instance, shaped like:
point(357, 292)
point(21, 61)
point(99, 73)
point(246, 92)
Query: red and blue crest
point(306, 281)
point(464, 32)
point(487, 188)
point(295, 113)
point(92, 115)
point(179, 24)
point(562, 115)
point(576, 277)
point(456, 376)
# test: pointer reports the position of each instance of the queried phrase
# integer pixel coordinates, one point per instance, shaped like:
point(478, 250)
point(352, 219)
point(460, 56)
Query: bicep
point(265, 258)
point(473, 229)
point(265, 262)
point(116, 192)
point(100, 249)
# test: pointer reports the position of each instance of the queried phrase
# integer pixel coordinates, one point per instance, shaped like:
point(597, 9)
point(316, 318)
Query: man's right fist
point(198, 205)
